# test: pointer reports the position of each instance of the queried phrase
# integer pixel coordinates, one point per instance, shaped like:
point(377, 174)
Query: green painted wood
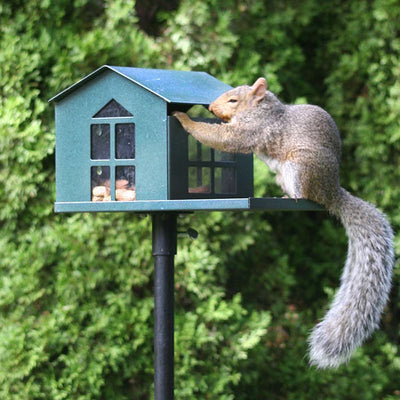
point(73, 119)
point(283, 204)
point(161, 164)
point(255, 204)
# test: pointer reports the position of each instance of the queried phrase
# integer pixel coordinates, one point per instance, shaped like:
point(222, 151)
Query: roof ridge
point(170, 85)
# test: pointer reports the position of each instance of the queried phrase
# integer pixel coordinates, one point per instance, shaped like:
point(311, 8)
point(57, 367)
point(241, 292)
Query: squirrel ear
point(259, 89)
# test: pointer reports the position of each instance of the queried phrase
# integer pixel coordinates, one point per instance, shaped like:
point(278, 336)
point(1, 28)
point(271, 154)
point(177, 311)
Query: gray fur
point(301, 144)
point(365, 284)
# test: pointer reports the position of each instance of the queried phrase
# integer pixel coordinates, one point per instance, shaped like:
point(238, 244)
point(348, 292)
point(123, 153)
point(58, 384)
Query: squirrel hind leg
point(288, 179)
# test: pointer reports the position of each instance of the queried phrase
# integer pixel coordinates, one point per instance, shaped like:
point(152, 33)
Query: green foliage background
point(76, 291)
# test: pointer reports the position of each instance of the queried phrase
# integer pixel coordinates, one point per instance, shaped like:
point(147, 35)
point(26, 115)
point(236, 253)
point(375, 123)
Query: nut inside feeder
point(124, 184)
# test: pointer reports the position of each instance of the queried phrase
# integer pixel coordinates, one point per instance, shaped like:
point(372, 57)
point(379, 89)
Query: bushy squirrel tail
point(365, 283)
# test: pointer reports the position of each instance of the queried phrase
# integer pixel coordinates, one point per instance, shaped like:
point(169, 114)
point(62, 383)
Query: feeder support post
point(164, 250)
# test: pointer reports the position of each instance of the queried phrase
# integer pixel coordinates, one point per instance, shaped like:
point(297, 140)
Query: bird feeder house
point(119, 149)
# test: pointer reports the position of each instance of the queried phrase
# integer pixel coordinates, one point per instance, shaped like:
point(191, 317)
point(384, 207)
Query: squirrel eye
point(232, 101)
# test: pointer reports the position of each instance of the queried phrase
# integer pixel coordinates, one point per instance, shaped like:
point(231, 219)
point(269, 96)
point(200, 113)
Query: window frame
point(212, 165)
point(112, 161)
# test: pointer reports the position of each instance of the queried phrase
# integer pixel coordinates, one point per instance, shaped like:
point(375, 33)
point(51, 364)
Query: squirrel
point(301, 144)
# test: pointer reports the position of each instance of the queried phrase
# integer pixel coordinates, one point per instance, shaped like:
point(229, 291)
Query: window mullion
point(112, 160)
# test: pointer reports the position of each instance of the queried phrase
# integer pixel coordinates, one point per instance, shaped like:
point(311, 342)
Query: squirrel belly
point(287, 175)
point(301, 143)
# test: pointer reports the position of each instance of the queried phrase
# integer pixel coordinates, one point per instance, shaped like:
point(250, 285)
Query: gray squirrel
point(301, 144)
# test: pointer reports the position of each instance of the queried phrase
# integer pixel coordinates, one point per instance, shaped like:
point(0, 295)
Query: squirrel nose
point(210, 108)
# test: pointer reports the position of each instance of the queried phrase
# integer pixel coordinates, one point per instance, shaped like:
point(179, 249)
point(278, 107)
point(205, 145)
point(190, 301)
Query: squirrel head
point(238, 100)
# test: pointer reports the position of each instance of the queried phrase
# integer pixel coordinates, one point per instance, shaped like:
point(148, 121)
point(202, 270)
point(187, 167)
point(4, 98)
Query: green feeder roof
point(182, 87)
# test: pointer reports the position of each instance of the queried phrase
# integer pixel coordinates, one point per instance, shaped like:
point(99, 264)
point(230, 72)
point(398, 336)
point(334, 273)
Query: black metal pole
point(164, 250)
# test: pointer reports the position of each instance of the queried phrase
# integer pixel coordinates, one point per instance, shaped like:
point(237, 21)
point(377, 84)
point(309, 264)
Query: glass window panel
point(112, 109)
point(193, 149)
point(198, 151)
point(199, 180)
point(125, 183)
point(125, 141)
point(100, 141)
point(205, 153)
point(100, 183)
point(221, 156)
point(225, 180)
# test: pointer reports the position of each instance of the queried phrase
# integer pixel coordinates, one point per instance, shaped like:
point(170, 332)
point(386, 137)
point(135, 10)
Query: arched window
point(112, 154)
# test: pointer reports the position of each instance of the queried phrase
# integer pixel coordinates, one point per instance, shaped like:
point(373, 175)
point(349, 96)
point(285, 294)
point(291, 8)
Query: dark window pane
point(198, 151)
point(221, 156)
point(205, 153)
point(112, 109)
point(125, 183)
point(100, 183)
point(100, 141)
point(199, 180)
point(225, 180)
point(192, 147)
point(125, 141)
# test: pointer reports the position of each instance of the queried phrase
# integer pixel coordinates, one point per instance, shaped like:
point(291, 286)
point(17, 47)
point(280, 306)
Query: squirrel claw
point(287, 197)
point(183, 118)
point(179, 114)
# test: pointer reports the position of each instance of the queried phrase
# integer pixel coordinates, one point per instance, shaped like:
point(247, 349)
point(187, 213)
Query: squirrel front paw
point(183, 118)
